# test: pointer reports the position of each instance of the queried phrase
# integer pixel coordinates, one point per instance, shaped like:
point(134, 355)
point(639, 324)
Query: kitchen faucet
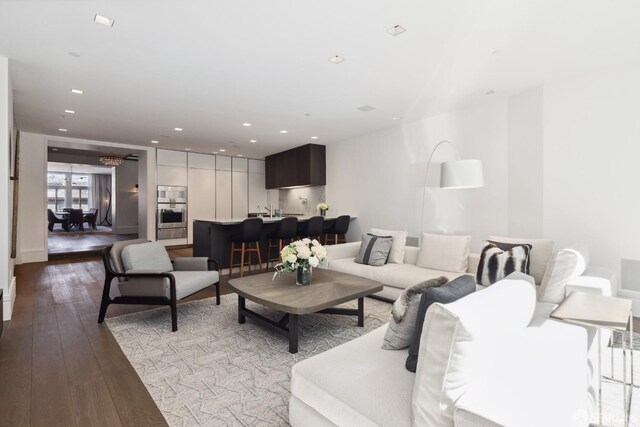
point(270, 210)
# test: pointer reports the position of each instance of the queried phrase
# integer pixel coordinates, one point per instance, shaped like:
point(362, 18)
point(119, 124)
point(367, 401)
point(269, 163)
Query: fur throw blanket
point(403, 301)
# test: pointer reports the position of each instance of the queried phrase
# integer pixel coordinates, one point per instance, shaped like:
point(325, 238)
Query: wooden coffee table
point(328, 289)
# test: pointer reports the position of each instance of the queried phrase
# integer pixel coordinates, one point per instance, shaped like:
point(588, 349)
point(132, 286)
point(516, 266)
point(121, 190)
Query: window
point(66, 190)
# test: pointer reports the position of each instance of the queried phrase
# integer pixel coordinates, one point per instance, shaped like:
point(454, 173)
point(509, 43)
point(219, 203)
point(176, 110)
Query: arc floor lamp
point(454, 174)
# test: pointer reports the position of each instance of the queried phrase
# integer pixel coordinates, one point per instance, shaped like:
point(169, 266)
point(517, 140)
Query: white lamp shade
point(461, 174)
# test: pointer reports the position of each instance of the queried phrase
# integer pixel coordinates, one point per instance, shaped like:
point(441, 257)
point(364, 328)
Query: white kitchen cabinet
point(201, 161)
point(239, 165)
point(257, 192)
point(172, 175)
point(256, 166)
point(240, 191)
point(201, 197)
point(223, 194)
point(223, 163)
point(171, 158)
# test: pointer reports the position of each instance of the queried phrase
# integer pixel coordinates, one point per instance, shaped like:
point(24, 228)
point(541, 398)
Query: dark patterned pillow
point(506, 246)
point(496, 264)
point(374, 250)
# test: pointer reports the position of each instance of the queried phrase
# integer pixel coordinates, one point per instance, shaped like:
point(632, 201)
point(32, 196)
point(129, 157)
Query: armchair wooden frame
point(110, 274)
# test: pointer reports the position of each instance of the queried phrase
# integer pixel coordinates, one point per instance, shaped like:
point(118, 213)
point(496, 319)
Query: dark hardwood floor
point(58, 366)
point(63, 242)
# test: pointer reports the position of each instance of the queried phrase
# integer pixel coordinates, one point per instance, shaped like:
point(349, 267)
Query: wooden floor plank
point(15, 371)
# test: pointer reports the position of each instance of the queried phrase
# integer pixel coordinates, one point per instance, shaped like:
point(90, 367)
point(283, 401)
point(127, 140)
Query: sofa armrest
point(546, 365)
point(191, 264)
point(342, 250)
point(594, 280)
point(472, 266)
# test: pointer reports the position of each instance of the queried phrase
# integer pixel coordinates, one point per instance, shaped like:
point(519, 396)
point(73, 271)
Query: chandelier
point(111, 160)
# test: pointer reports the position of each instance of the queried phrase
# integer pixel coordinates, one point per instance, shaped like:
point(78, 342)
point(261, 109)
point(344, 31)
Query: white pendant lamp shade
point(461, 174)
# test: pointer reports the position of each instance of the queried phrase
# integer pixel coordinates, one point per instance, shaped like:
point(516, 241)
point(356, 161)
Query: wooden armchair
point(147, 276)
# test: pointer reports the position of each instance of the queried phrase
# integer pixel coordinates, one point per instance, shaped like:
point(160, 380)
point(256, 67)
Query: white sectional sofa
point(359, 384)
point(488, 359)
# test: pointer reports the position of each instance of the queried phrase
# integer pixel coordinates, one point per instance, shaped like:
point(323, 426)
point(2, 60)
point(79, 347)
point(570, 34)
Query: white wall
point(7, 281)
point(379, 177)
point(525, 179)
point(32, 207)
point(591, 173)
point(126, 200)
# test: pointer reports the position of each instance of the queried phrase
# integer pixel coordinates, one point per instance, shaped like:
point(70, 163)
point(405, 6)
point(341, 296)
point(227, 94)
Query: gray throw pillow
point(455, 289)
point(405, 312)
point(374, 250)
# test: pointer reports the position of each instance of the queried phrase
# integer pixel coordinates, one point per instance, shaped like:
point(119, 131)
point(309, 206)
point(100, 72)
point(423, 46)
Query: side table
point(602, 312)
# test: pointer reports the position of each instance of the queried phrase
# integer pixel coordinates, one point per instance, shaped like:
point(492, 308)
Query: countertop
point(266, 219)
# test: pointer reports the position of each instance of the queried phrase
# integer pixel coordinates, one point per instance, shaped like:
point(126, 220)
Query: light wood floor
point(58, 367)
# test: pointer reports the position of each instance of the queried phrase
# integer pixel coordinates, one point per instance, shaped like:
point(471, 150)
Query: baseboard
point(8, 299)
point(34, 255)
point(633, 296)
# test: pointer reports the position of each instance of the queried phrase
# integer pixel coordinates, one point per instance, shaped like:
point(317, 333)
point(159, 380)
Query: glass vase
point(303, 275)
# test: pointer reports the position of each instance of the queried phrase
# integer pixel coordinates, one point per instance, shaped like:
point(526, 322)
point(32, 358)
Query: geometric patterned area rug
point(214, 371)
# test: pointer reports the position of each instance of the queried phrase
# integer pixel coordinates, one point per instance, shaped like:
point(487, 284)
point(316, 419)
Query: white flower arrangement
point(323, 206)
point(301, 253)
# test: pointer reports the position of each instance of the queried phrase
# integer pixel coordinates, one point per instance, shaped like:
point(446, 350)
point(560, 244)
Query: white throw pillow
point(457, 336)
point(541, 251)
point(567, 264)
point(444, 253)
point(396, 256)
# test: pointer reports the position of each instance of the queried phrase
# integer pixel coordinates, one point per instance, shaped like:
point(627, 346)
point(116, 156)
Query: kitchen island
point(212, 238)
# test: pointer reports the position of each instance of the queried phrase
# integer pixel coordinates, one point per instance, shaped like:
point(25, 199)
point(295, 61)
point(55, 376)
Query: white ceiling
point(209, 66)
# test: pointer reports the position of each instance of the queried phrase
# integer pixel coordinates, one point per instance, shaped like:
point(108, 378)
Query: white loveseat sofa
point(488, 359)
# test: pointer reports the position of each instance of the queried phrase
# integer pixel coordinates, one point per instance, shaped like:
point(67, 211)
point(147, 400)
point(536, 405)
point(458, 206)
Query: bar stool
point(285, 231)
point(249, 233)
point(313, 228)
point(338, 230)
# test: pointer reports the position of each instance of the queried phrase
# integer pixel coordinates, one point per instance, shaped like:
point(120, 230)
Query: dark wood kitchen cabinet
point(301, 166)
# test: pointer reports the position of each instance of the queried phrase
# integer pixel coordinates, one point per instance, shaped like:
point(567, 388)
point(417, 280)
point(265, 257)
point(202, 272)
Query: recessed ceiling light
point(104, 20)
point(54, 149)
point(396, 30)
point(253, 140)
point(178, 129)
point(74, 54)
point(69, 111)
point(314, 137)
point(222, 150)
point(490, 92)
point(240, 155)
point(246, 124)
point(366, 108)
point(496, 52)
point(78, 91)
point(395, 118)
point(187, 149)
point(284, 131)
point(336, 59)
point(215, 152)
point(154, 141)
point(62, 130)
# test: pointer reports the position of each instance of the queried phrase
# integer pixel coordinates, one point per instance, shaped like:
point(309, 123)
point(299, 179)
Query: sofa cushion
point(374, 250)
point(457, 335)
point(187, 283)
point(452, 291)
point(405, 313)
point(565, 265)
point(442, 252)
point(396, 256)
point(357, 383)
point(540, 254)
point(399, 276)
point(497, 263)
point(146, 256)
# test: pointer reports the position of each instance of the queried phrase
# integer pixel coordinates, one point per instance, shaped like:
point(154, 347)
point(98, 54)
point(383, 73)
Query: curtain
point(100, 197)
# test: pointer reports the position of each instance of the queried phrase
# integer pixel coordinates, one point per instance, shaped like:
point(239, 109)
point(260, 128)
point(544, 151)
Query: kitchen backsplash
point(293, 200)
